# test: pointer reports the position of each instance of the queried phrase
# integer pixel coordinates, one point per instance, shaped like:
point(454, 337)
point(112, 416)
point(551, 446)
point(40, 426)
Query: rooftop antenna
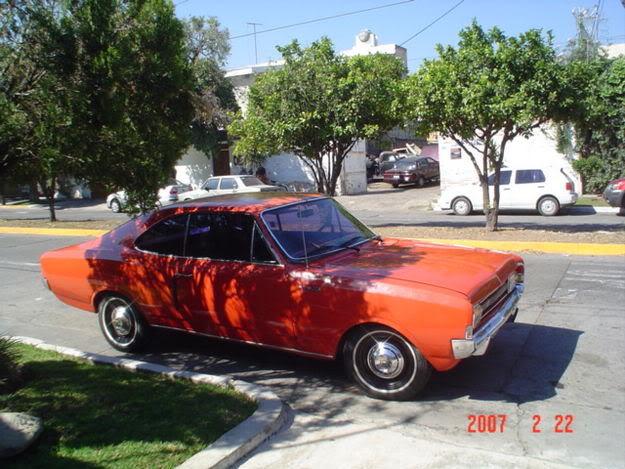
point(255, 49)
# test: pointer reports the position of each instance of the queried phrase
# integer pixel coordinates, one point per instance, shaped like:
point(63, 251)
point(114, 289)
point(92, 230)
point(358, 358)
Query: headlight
point(478, 310)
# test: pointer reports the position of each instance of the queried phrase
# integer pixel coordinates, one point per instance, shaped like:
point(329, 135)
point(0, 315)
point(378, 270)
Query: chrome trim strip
point(463, 348)
point(247, 342)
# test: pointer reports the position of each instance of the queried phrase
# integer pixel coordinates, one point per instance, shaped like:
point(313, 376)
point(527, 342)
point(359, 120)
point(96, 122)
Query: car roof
point(253, 202)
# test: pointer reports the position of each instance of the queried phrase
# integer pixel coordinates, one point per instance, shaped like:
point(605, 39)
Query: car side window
point(504, 178)
point(228, 183)
point(260, 249)
point(166, 237)
point(220, 235)
point(529, 176)
point(212, 184)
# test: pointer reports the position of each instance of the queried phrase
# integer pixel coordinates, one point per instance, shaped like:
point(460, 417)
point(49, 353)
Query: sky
point(392, 24)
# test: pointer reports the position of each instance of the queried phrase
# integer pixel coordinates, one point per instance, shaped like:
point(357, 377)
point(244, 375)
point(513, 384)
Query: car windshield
point(314, 228)
point(252, 181)
point(406, 164)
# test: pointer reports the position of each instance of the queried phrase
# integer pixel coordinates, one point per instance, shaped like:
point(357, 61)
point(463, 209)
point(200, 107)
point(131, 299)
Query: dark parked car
point(614, 193)
point(413, 170)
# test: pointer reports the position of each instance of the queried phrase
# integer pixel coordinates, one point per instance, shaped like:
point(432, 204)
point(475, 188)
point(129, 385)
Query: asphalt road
point(376, 209)
point(565, 356)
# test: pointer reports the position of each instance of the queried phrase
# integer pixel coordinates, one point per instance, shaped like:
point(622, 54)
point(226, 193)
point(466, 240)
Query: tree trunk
point(49, 193)
point(2, 196)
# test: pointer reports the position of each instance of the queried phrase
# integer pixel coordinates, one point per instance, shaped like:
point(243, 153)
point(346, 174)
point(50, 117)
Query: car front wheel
point(384, 364)
point(462, 206)
point(548, 206)
point(420, 181)
point(122, 325)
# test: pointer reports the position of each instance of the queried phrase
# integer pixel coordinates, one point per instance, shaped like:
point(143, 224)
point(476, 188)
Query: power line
point(433, 22)
point(321, 19)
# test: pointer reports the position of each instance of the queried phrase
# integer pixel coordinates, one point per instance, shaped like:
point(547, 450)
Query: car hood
point(469, 271)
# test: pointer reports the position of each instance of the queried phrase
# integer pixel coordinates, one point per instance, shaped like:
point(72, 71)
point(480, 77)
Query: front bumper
point(477, 345)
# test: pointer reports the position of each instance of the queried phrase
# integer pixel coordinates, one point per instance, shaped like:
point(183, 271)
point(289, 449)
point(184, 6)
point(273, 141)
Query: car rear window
point(251, 181)
point(166, 237)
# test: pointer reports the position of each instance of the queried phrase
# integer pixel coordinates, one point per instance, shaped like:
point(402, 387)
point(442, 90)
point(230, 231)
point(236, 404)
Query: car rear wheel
point(420, 181)
point(122, 325)
point(116, 207)
point(384, 364)
point(548, 206)
point(462, 206)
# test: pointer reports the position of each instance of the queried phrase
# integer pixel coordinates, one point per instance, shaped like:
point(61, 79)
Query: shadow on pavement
point(524, 363)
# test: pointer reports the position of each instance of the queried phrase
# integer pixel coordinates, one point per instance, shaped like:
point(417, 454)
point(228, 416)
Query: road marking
point(28, 264)
point(582, 249)
point(51, 231)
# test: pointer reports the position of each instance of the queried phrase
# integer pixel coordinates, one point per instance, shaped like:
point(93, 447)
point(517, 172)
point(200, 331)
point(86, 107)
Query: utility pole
point(255, 50)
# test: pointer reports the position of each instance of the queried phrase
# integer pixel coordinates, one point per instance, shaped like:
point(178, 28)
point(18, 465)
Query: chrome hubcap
point(385, 360)
point(121, 320)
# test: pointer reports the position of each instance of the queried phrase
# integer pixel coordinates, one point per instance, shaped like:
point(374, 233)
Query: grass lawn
point(100, 416)
point(595, 201)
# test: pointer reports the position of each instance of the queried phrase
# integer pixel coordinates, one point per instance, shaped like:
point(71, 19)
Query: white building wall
point(194, 167)
point(537, 151)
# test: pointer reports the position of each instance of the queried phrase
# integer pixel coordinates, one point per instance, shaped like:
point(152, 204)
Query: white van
point(545, 190)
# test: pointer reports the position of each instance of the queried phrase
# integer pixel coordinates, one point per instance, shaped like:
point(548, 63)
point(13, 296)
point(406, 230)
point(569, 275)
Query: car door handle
point(541, 187)
point(309, 288)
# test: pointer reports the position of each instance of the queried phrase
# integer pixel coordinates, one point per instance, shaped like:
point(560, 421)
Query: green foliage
point(213, 97)
point(488, 91)
point(100, 416)
point(9, 368)
point(317, 106)
point(112, 89)
point(600, 128)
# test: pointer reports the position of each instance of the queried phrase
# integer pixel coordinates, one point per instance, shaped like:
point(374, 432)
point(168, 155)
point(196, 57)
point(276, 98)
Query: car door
point(228, 185)
point(155, 266)
point(505, 188)
point(235, 286)
point(529, 187)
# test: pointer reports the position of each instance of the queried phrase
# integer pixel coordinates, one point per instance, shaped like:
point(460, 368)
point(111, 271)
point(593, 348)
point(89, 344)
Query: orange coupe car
point(294, 272)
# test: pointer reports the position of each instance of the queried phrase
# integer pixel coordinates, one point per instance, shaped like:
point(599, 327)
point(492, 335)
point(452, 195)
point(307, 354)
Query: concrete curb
point(573, 208)
point(234, 445)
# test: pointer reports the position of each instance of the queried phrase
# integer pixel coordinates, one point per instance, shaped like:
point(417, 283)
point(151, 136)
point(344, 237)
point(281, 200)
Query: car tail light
point(569, 187)
point(173, 190)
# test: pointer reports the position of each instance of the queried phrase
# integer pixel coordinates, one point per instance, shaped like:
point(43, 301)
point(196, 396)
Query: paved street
point(381, 206)
point(565, 356)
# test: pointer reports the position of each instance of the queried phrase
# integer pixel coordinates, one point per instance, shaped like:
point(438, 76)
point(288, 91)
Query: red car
point(413, 170)
point(294, 272)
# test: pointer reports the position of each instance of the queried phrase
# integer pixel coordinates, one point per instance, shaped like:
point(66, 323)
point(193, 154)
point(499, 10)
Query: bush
point(9, 367)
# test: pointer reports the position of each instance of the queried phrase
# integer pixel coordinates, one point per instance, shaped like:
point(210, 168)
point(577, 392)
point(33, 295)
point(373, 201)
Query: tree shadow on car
point(524, 363)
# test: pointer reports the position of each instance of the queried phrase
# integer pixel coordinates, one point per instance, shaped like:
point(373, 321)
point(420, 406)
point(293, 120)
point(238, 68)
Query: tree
point(207, 48)
point(600, 128)
point(487, 92)
point(317, 106)
point(113, 103)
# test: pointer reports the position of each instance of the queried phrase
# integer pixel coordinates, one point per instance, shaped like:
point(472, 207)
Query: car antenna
point(301, 226)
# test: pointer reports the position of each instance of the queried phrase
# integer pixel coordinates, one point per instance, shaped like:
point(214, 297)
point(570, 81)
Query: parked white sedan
point(545, 190)
point(219, 185)
point(166, 195)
